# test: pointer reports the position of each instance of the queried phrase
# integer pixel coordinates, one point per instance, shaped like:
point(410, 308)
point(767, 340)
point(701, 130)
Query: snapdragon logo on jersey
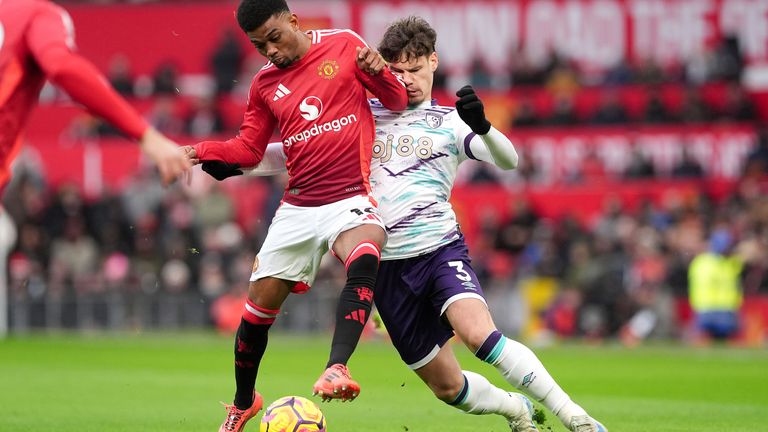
point(311, 108)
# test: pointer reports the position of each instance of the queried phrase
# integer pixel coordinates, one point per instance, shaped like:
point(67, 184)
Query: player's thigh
point(402, 299)
point(349, 239)
point(347, 223)
point(269, 292)
point(293, 247)
point(443, 374)
point(471, 321)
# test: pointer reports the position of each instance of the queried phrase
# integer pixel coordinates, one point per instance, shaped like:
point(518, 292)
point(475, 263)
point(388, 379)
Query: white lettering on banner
point(589, 32)
point(489, 31)
point(749, 20)
point(667, 31)
point(595, 34)
point(732, 151)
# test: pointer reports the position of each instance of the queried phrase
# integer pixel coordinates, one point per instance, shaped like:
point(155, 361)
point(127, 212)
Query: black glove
point(470, 109)
point(221, 170)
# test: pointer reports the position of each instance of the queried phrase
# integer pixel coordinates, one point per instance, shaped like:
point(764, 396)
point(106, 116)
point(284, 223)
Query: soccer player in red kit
point(37, 43)
point(314, 90)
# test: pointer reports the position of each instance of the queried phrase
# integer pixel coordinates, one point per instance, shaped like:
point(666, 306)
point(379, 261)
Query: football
point(292, 414)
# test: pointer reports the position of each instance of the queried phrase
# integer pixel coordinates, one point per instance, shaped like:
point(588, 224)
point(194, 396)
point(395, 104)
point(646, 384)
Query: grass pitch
point(173, 382)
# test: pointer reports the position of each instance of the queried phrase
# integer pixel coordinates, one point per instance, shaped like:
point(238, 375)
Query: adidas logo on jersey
point(281, 91)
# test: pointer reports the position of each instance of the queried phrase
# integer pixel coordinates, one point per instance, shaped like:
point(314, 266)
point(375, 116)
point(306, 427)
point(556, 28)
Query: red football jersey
point(37, 41)
point(320, 106)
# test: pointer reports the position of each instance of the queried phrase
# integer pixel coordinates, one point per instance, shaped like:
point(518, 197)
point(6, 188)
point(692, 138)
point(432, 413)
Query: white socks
point(521, 368)
point(481, 397)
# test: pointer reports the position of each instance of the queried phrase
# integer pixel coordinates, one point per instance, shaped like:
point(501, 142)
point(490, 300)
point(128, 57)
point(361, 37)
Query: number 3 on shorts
point(461, 274)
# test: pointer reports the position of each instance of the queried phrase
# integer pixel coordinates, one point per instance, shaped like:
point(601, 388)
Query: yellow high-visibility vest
point(713, 282)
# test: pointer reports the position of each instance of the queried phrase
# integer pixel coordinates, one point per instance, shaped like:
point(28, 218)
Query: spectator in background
point(165, 79)
point(562, 79)
point(655, 110)
point(728, 60)
point(715, 289)
point(649, 72)
point(525, 115)
point(226, 61)
point(687, 166)
point(639, 167)
point(204, 119)
point(756, 163)
point(563, 113)
point(120, 76)
point(163, 116)
point(738, 105)
point(478, 74)
point(611, 110)
point(694, 109)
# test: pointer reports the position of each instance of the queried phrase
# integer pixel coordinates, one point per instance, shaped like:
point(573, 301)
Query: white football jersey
point(415, 157)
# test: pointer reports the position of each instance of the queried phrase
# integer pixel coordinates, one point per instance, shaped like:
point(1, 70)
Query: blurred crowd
point(619, 274)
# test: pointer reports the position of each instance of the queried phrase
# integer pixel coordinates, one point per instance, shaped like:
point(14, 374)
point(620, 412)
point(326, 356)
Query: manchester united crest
point(328, 69)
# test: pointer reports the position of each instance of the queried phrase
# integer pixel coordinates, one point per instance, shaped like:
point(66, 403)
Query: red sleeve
point(386, 86)
point(50, 38)
point(246, 149)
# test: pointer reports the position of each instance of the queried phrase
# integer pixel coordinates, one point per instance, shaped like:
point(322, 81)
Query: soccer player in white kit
point(426, 289)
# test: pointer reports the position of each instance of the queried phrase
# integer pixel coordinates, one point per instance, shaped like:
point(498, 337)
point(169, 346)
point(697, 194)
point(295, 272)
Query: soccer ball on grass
point(293, 414)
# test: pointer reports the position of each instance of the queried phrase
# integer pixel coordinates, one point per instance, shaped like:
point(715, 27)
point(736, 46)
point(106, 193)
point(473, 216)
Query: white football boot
point(523, 422)
point(585, 423)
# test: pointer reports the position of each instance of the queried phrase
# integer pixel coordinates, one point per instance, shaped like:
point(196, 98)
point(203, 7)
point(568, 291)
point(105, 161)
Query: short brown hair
point(412, 37)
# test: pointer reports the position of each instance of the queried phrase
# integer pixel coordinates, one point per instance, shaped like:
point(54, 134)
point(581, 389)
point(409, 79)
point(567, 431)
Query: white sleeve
point(272, 163)
point(493, 147)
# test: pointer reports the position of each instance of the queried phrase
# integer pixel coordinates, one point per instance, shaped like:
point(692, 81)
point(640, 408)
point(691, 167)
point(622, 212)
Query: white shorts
point(299, 237)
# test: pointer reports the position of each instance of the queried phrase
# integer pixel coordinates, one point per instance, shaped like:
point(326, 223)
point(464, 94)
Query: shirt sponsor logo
point(334, 125)
point(328, 69)
point(311, 108)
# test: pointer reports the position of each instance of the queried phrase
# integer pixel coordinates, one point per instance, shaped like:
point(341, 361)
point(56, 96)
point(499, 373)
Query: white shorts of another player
point(299, 237)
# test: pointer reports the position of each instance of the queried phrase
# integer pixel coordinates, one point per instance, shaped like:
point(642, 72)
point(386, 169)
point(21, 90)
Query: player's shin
point(250, 344)
point(479, 396)
point(521, 368)
point(355, 301)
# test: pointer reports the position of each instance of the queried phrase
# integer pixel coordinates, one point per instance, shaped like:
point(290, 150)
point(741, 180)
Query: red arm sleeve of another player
point(246, 149)
point(385, 86)
point(50, 38)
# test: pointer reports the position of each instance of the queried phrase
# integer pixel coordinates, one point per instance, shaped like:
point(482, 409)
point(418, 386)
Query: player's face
point(417, 73)
point(280, 40)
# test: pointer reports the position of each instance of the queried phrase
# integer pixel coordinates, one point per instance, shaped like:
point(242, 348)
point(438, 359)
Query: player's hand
point(369, 60)
point(221, 170)
point(166, 155)
point(471, 111)
point(191, 154)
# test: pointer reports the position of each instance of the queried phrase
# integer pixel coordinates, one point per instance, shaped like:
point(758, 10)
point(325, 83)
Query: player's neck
point(305, 41)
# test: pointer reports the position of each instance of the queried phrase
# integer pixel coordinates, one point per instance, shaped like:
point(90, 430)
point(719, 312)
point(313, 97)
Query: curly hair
point(252, 14)
point(411, 37)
